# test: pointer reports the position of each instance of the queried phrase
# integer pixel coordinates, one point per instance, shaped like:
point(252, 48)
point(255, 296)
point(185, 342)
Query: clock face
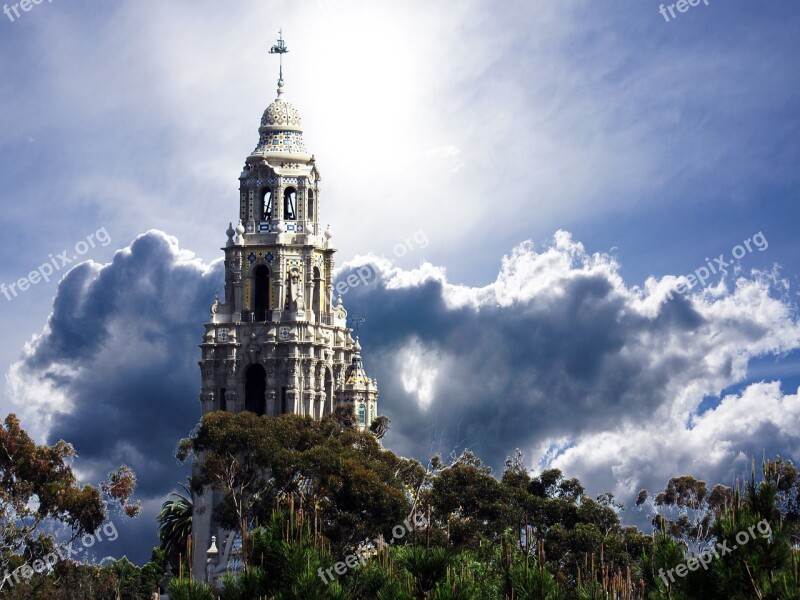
point(222, 335)
point(283, 333)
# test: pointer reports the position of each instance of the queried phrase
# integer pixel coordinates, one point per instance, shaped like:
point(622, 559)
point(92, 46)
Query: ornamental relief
point(207, 370)
point(231, 367)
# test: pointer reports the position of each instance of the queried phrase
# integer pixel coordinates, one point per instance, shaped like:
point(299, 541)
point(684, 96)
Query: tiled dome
point(282, 115)
point(281, 128)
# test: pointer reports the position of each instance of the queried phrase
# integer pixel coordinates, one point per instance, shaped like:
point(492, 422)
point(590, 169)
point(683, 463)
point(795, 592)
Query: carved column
point(273, 410)
point(280, 285)
point(292, 401)
point(207, 402)
point(232, 402)
point(329, 283)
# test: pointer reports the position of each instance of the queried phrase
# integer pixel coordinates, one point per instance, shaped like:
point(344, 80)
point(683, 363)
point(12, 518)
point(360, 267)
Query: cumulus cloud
point(717, 445)
point(557, 356)
point(114, 371)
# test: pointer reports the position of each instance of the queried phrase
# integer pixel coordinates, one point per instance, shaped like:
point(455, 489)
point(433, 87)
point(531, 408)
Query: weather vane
point(280, 49)
point(356, 320)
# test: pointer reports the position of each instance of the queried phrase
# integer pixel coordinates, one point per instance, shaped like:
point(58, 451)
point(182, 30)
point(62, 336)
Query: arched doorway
point(261, 293)
point(255, 388)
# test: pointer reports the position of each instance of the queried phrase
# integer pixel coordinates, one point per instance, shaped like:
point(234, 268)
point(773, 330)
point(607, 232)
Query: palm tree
point(175, 525)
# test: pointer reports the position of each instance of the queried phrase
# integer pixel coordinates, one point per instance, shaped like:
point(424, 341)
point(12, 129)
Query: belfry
point(279, 342)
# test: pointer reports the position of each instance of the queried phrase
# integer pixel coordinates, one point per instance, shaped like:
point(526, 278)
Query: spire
point(281, 131)
point(355, 375)
point(280, 49)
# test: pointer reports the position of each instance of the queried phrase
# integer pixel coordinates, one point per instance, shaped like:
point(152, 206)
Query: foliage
point(335, 475)
point(187, 589)
point(686, 510)
point(308, 494)
point(379, 427)
point(39, 492)
point(175, 526)
point(119, 580)
point(428, 567)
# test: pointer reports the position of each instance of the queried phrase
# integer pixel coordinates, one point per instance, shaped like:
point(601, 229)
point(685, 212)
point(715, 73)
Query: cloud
point(114, 371)
point(560, 358)
point(576, 103)
point(557, 356)
point(718, 445)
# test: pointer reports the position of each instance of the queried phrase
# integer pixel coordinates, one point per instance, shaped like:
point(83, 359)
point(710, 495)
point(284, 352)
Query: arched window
point(316, 305)
point(328, 392)
point(261, 293)
point(255, 388)
point(310, 211)
point(362, 415)
point(290, 204)
point(266, 204)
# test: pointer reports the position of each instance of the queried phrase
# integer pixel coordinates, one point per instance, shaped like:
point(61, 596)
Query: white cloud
point(560, 357)
point(557, 356)
point(717, 445)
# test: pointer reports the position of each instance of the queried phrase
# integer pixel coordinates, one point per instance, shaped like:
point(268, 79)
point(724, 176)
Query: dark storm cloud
point(515, 373)
point(120, 350)
point(555, 352)
point(557, 356)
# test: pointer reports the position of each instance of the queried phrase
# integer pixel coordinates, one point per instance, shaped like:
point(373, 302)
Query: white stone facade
point(279, 342)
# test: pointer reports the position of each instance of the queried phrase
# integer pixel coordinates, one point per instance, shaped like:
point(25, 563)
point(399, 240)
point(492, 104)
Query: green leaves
point(38, 488)
point(175, 525)
point(328, 469)
point(187, 589)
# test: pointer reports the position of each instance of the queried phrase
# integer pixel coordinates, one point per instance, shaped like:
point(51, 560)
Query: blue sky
point(484, 125)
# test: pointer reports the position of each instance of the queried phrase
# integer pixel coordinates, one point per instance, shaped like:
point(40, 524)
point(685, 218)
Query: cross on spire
point(280, 49)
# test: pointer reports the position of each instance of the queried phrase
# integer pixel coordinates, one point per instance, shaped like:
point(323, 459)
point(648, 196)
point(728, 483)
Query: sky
point(524, 184)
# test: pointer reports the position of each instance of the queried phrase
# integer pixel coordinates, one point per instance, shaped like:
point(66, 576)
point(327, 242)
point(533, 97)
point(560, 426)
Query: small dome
point(281, 130)
point(281, 115)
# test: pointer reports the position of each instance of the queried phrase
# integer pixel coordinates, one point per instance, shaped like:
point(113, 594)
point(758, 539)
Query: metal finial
point(356, 320)
point(280, 49)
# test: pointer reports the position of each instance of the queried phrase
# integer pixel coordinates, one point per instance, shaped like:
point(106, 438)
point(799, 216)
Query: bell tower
point(279, 342)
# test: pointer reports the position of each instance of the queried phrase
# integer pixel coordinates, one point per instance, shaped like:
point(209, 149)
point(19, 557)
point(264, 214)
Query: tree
point(686, 510)
point(175, 525)
point(783, 474)
point(762, 562)
point(467, 502)
point(38, 491)
point(380, 427)
point(335, 475)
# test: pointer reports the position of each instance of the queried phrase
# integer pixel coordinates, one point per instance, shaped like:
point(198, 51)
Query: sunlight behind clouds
point(419, 371)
